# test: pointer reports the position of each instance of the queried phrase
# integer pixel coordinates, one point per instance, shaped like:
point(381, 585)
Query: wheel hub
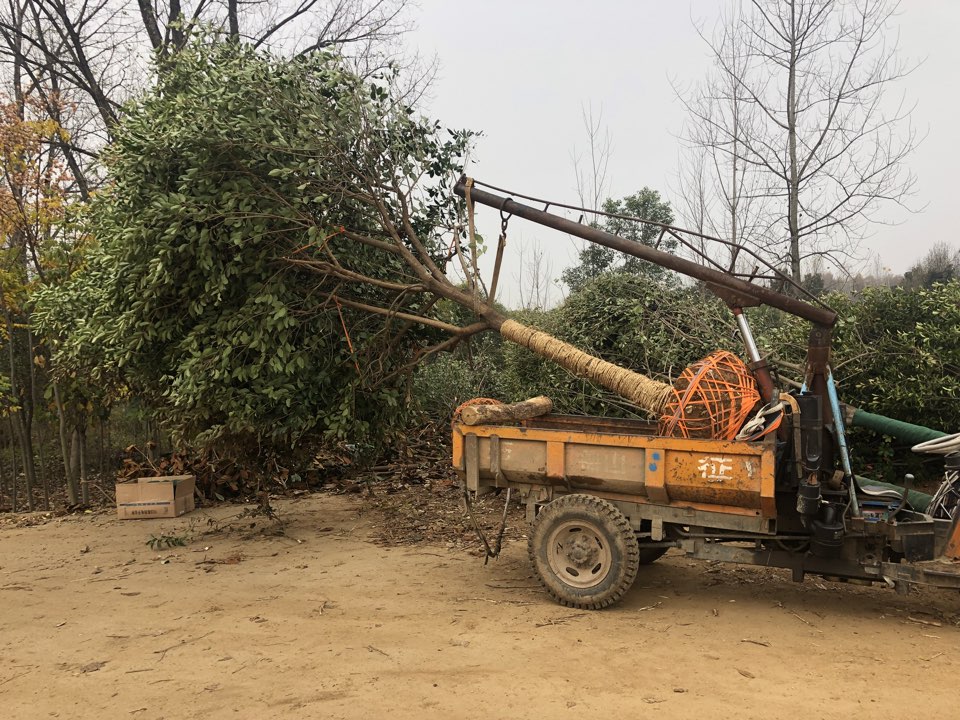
point(582, 551)
point(579, 555)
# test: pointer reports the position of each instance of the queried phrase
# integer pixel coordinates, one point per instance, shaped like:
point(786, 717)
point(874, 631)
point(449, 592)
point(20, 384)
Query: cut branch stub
point(646, 393)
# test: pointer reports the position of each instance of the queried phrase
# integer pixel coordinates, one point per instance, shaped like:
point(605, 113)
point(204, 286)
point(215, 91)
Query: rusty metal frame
point(938, 573)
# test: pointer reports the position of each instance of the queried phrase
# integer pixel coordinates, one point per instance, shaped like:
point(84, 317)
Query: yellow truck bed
point(624, 461)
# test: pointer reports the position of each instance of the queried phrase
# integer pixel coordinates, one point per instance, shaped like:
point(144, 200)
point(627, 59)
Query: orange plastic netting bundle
point(711, 399)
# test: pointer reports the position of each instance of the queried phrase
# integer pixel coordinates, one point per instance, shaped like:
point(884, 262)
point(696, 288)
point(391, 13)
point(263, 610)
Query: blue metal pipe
point(842, 442)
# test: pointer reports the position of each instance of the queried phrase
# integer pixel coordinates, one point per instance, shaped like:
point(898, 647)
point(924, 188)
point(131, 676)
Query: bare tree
point(85, 59)
point(591, 165)
point(534, 280)
point(799, 118)
point(290, 27)
point(722, 194)
point(590, 171)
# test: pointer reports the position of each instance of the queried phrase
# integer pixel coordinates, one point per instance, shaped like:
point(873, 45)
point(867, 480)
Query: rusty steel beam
point(763, 295)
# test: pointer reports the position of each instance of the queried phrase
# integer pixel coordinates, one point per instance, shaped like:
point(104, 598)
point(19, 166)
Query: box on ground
point(155, 497)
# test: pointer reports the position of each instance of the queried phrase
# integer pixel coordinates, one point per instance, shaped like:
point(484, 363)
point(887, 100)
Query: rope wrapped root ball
point(712, 398)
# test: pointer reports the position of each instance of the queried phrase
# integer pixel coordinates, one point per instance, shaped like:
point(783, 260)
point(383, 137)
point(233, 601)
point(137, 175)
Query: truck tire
point(584, 552)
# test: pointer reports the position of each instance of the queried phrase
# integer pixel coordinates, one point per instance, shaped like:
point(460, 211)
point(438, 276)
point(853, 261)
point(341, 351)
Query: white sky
point(520, 72)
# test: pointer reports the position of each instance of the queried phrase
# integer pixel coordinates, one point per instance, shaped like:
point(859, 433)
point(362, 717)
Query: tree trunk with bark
point(500, 413)
point(13, 467)
point(72, 490)
point(82, 464)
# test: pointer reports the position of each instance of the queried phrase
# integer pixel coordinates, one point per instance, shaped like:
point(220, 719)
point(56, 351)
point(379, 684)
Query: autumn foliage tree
point(33, 180)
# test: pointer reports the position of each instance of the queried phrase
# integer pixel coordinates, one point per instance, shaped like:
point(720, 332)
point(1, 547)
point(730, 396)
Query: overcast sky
point(520, 71)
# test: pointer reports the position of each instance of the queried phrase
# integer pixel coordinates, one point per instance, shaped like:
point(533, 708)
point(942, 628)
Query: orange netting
point(474, 401)
point(711, 399)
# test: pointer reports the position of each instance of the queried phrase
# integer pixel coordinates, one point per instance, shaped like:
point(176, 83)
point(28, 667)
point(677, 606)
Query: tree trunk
point(26, 456)
point(176, 25)
point(23, 443)
point(793, 189)
point(29, 407)
point(21, 430)
point(3, 481)
point(644, 392)
point(148, 444)
point(43, 467)
point(72, 495)
point(75, 457)
point(13, 465)
point(149, 18)
point(233, 20)
point(100, 449)
point(84, 480)
point(493, 414)
point(34, 402)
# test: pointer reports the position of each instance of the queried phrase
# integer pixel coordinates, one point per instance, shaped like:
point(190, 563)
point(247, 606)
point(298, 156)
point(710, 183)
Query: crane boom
point(742, 289)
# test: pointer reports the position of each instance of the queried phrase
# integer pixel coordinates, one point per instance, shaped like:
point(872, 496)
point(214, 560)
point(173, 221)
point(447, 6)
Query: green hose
point(918, 501)
point(902, 431)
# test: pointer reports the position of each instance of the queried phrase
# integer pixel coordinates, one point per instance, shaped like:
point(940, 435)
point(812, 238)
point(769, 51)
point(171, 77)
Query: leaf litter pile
point(417, 499)
point(432, 513)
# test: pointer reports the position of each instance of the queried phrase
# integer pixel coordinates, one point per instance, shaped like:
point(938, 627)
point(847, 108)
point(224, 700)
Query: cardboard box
point(155, 497)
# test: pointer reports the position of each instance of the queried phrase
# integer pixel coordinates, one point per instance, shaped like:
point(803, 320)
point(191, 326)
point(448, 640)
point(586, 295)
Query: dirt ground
point(327, 621)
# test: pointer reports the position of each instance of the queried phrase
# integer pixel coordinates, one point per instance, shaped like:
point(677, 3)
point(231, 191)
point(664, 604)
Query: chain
point(501, 244)
point(504, 221)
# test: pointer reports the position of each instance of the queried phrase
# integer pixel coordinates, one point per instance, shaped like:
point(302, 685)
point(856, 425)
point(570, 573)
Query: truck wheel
point(584, 551)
